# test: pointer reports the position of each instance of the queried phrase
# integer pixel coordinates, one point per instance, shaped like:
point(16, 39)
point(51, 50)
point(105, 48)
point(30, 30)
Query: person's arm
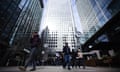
point(63, 50)
point(69, 50)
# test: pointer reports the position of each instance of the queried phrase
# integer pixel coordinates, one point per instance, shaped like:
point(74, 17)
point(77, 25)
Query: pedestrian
point(35, 42)
point(80, 59)
point(67, 57)
point(73, 60)
point(57, 58)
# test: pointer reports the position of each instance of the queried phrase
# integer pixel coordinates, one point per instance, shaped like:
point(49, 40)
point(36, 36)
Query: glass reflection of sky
point(75, 13)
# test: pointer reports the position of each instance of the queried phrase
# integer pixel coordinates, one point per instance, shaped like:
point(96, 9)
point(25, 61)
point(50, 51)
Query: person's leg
point(28, 61)
point(63, 64)
point(34, 55)
point(65, 61)
point(68, 61)
point(23, 68)
point(72, 63)
point(83, 63)
point(79, 63)
point(34, 65)
point(75, 63)
point(31, 57)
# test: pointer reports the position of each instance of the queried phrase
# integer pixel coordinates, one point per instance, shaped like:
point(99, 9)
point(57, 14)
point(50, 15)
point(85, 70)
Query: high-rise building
point(101, 28)
point(18, 18)
point(9, 12)
point(94, 14)
point(88, 19)
point(27, 22)
point(60, 22)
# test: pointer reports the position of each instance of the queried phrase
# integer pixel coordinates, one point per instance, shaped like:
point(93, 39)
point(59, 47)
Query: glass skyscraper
point(28, 22)
point(60, 22)
point(18, 18)
point(94, 14)
point(9, 12)
point(88, 19)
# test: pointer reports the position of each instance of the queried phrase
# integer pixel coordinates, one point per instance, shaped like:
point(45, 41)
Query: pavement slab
point(60, 69)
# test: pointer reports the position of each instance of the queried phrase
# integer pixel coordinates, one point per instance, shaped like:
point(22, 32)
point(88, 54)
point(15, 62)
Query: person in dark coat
point(73, 60)
point(67, 57)
point(34, 42)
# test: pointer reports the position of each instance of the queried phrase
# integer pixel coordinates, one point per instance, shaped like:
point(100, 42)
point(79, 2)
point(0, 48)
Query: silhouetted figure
point(80, 59)
point(35, 42)
point(73, 60)
point(66, 57)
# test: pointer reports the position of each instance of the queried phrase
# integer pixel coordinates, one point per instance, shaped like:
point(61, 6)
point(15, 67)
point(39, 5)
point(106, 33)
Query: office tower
point(101, 28)
point(60, 22)
point(9, 12)
point(94, 14)
point(28, 22)
point(18, 18)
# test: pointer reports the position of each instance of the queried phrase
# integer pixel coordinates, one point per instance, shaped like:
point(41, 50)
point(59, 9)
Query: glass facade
point(9, 12)
point(18, 18)
point(114, 7)
point(88, 19)
point(93, 16)
point(100, 8)
point(60, 22)
point(28, 22)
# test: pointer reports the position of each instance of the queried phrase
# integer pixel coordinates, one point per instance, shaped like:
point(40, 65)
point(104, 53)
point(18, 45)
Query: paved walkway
point(60, 69)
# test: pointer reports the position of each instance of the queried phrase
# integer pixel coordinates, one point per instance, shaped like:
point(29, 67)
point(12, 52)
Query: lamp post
point(78, 35)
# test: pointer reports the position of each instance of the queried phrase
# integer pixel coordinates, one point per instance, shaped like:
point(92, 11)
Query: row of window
point(9, 12)
point(28, 20)
point(57, 46)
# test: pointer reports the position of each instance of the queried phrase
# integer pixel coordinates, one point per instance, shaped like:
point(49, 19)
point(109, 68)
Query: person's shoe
point(64, 67)
point(83, 67)
point(32, 69)
point(22, 68)
point(79, 67)
point(69, 68)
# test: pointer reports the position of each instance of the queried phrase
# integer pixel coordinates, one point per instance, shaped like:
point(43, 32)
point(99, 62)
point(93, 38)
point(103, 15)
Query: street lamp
point(78, 35)
point(90, 46)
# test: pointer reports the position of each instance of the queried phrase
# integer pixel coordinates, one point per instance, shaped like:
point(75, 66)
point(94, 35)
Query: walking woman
point(80, 59)
point(35, 42)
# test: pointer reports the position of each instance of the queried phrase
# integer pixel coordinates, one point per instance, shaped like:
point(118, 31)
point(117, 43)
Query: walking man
point(35, 42)
point(67, 57)
point(73, 60)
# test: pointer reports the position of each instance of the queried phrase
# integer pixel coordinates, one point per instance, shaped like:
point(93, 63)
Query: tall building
point(101, 28)
point(27, 22)
point(18, 18)
point(88, 19)
point(60, 22)
point(94, 14)
point(9, 13)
